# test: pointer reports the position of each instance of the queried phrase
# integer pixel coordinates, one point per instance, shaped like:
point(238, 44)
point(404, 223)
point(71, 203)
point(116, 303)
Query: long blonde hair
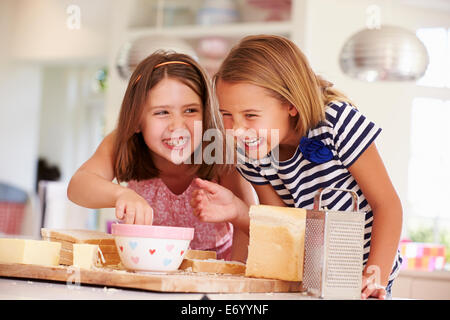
point(277, 64)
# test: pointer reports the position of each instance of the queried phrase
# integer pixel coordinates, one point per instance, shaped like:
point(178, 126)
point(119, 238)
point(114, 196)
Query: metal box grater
point(334, 251)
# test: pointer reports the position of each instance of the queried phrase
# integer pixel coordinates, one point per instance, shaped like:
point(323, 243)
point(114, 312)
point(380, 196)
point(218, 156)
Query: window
point(428, 214)
point(437, 42)
point(429, 167)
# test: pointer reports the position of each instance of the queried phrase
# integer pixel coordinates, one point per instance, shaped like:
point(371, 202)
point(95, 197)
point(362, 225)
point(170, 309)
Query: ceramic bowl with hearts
point(151, 248)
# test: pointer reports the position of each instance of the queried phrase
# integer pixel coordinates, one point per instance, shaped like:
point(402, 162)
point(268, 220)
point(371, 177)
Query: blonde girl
point(322, 140)
point(166, 108)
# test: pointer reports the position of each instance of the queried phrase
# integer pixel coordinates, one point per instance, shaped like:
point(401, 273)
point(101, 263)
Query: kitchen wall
point(329, 25)
point(71, 116)
point(40, 56)
point(47, 31)
point(36, 45)
point(20, 95)
point(46, 106)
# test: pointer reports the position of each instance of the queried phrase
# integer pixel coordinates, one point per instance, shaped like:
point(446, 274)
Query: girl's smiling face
point(172, 115)
point(259, 121)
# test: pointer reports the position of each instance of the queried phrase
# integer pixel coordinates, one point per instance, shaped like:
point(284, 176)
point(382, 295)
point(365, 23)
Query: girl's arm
point(228, 201)
point(244, 192)
point(268, 196)
point(231, 200)
point(372, 177)
point(91, 186)
point(245, 197)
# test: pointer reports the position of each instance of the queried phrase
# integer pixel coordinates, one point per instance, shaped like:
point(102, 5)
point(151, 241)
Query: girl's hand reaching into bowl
point(131, 208)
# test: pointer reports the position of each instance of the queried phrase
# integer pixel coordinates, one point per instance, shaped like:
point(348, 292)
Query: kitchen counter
point(24, 289)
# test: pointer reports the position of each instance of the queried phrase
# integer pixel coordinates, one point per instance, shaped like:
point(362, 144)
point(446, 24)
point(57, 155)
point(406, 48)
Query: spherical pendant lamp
point(133, 52)
point(388, 53)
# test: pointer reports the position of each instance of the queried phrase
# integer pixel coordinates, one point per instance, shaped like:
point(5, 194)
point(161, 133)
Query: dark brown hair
point(132, 157)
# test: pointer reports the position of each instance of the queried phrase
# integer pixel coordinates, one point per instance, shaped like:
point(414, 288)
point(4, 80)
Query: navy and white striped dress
point(347, 133)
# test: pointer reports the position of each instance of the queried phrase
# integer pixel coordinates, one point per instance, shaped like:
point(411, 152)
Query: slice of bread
point(213, 266)
point(277, 240)
point(200, 254)
point(79, 236)
point(69, 237)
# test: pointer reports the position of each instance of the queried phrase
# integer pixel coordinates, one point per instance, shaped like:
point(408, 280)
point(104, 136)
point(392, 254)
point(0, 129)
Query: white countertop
point(25, 289)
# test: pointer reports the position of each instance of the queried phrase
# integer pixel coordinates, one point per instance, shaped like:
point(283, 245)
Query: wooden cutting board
point(179, 281)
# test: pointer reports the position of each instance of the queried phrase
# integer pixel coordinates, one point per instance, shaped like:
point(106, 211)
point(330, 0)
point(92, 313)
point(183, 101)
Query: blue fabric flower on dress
point(315, 150)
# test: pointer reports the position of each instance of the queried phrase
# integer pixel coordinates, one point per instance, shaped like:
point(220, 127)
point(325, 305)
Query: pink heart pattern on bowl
point(133, 246)
point(135, 259)
point(151, 255)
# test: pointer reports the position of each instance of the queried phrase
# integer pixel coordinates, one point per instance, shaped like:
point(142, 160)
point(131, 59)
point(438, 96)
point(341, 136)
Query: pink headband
point(171, 62)
point(162, 64)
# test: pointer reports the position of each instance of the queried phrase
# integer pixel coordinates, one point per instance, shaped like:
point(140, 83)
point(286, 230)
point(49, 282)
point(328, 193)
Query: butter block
point(277, 240)
point(85, 255)
point(29, 251)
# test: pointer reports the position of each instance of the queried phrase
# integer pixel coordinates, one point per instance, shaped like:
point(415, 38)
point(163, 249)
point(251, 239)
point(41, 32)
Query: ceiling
point(431, 4)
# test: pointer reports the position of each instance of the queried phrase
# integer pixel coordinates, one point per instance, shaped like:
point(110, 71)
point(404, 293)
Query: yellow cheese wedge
point(277, 239)
point(85, 255)
point(29, 251)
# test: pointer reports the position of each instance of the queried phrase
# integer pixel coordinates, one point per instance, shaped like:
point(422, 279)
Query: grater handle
point(318, 198)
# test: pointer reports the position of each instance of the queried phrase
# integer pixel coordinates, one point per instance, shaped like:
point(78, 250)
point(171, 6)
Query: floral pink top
point(174, 210)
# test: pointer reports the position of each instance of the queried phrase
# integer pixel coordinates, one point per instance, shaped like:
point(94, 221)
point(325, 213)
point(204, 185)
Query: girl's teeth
point(252, 142)
point(175, 142)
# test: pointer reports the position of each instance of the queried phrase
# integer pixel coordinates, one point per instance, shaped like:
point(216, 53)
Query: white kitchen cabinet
point(422, 285)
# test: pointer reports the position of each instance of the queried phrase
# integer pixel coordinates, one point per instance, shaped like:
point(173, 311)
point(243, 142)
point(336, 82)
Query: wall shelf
point(225, 30)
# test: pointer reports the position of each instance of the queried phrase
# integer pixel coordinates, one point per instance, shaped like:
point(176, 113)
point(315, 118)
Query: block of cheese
point(68, 237)
point(277, 241)
point(67, 256)
point(68, 246)
point(213, 266)
point(29, 251)
point(200, 254)
point(86, 255)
